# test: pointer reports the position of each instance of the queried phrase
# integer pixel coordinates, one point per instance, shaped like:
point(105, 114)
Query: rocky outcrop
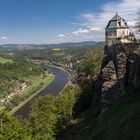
point(120, 71)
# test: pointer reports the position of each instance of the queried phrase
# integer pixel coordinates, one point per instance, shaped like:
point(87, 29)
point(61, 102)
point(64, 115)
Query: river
point(60, 81)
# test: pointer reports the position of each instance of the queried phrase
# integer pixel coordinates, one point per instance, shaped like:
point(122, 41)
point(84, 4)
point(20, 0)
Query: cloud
point(91, 25)
point(81, 34)
point(4, 38)
point(126, 8)
point(95, 29)
point(80, 31)
point(131, 23)
point(61, 35)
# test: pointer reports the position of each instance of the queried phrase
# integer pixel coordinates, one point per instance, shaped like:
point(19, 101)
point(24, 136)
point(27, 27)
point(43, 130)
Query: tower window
point(119, 23)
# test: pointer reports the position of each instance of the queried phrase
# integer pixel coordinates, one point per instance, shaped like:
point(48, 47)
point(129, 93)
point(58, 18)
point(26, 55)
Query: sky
point(57, 21)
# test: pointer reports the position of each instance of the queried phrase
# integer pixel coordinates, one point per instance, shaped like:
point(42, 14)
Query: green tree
point(43, 117)
point(65, 104)
point(12, 129)
point(50, 116)
point(92, 62)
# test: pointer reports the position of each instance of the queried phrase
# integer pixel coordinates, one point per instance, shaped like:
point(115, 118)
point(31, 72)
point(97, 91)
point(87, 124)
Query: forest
point(12, 74)
point(73, 114)
point(51, 116)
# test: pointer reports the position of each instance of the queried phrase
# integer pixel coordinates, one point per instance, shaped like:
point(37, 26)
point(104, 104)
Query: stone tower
point(117, 29)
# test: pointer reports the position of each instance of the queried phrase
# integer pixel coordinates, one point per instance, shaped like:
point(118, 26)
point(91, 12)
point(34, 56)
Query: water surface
point(61, 79)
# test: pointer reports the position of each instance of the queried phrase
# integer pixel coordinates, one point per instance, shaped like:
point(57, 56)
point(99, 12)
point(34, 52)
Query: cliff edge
point(120, 73)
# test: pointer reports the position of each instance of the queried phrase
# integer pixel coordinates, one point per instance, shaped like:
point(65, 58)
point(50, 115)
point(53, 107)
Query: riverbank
point(54, 88)
point(35, 83)
point(70, 79)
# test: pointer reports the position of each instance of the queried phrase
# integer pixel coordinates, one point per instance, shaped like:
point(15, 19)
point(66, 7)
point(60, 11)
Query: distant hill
point(61, 45)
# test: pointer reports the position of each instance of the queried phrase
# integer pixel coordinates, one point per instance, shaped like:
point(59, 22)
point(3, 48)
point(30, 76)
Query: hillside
point(13, 74)
point(20, 81)
point(120, 122)
point(115, 113)
point(106, 110)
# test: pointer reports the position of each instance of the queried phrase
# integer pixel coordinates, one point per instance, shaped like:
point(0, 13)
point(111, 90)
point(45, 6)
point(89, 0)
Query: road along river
point(61, 79)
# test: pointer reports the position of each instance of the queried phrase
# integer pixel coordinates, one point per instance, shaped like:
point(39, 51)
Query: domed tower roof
point(117, 22)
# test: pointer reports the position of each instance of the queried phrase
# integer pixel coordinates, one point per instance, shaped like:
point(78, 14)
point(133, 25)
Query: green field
point(5, 60)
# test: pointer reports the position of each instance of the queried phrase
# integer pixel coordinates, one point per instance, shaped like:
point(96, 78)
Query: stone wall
point(120, 71)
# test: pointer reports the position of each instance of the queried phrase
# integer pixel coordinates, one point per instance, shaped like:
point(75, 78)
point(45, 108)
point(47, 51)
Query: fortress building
point(117, 31)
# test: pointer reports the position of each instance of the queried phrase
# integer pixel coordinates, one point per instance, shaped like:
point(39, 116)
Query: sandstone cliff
point(120, 73)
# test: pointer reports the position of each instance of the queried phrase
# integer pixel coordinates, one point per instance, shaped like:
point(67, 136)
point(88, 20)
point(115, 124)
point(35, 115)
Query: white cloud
point(131, 23)
point(80, 31)
point(92, 24)
point(61, 35)
point(4, 38)
point(126, 8)
point(81, 34)
point(95, 29)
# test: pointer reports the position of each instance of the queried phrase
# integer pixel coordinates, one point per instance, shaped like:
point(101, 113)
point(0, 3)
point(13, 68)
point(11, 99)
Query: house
point(117, 31)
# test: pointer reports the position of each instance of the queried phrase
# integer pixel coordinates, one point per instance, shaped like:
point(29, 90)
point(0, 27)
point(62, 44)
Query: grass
point(35, 82)
point(120, 122)
point(5, 60)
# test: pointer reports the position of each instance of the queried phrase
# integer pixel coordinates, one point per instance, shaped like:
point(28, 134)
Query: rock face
point(120, 71)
